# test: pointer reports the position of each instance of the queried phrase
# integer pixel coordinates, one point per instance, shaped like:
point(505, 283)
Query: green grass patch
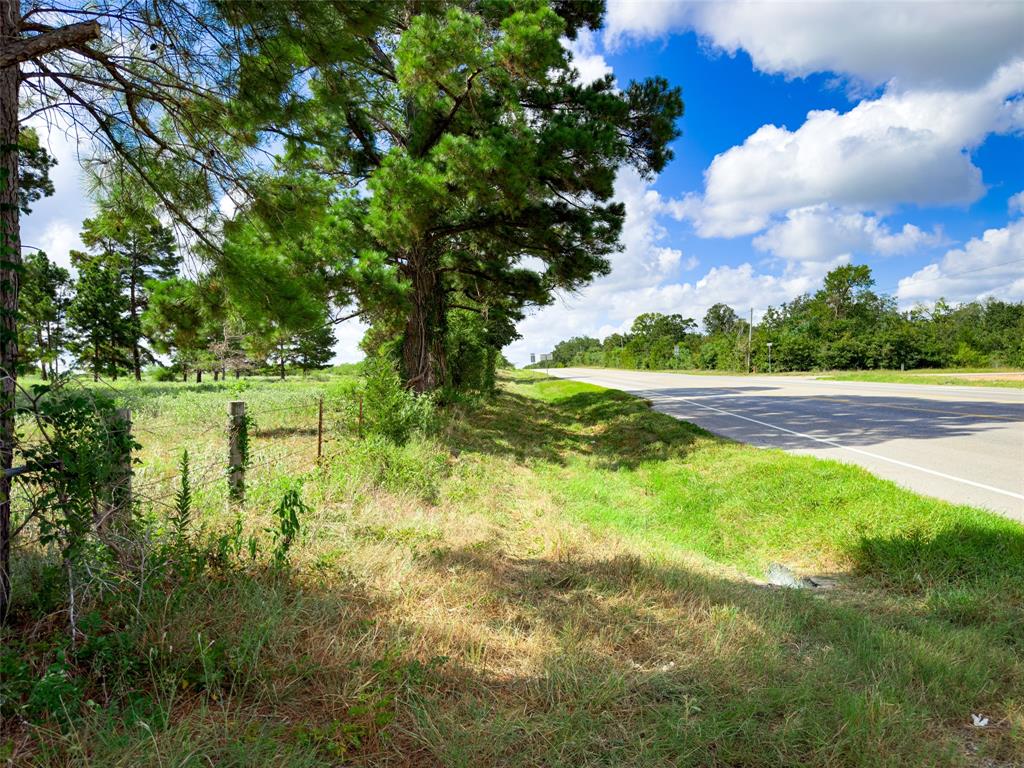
point(557, 577)
point(991, 378)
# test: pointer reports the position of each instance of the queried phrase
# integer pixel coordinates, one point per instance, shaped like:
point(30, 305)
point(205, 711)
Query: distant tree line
point(845, 325)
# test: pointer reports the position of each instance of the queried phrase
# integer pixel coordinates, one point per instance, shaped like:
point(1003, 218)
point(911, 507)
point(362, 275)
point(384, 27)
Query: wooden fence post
point(119, 500)
point(320, 430)
point(238, 448)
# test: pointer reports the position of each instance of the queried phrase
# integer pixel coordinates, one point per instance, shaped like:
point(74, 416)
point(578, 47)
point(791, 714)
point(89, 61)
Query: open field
point(559, 577)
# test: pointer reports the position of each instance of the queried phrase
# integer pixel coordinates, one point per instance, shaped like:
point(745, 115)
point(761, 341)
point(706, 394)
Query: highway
point(961, 444)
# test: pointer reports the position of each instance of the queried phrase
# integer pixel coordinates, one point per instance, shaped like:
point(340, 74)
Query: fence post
point(360, 417)
point(119, 499)
point(238, 448)
point(320, 430)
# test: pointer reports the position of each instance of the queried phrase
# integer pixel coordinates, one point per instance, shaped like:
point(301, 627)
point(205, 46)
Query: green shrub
point(389, 409)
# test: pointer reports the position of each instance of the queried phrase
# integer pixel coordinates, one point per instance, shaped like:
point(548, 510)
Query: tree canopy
point(469, 167)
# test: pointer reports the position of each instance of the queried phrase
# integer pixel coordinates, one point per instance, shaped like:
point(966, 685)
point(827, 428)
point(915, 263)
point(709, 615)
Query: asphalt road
point(961, 444)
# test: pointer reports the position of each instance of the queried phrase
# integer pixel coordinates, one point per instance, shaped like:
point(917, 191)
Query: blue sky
point(815, 134)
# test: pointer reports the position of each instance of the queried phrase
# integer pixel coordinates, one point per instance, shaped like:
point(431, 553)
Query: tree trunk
point(42, 353)
point(10, 264)
point(199, 375)
point(423, 355)
point(282, 362)
point(134, 313)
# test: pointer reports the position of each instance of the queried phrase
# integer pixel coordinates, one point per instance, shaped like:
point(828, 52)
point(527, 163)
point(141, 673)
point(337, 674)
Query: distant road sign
point(533, 358)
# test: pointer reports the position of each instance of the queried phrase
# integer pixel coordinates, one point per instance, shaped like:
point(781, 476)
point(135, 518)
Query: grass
point(992, 377)
point(558, 577)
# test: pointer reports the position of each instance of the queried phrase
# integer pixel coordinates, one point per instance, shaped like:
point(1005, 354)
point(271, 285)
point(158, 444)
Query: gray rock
point(781, 576)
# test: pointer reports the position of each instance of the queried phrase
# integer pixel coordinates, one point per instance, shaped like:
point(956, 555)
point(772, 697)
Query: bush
point(968, 357)
point(161, 373)
point(389, 409)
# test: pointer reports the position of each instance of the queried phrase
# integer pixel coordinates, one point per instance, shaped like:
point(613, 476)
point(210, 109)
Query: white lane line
point(654, 394)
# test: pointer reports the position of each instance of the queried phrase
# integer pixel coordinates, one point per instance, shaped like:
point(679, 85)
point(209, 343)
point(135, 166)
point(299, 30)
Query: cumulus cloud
point(1016, 203)
point(54, 223)
point(645, 277)
point(899, 148)
point(821, 233)
point(955, 44)
point(58, 239)
point(992, 264)
point(585, 57)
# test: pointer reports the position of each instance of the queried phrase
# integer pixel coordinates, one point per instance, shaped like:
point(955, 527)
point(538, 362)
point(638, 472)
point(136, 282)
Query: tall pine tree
point(484, 152)
point(46, 295)
point(98, 316)
point(127, 232)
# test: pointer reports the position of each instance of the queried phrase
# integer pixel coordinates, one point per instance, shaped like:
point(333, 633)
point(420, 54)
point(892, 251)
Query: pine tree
point(98, 316)
point(313, 349)
point(483, 150)
point(46, 294)
point(178, 321)
point(127, 230)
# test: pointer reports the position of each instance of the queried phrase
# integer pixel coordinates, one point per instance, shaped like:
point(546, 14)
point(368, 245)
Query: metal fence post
point(238, 439)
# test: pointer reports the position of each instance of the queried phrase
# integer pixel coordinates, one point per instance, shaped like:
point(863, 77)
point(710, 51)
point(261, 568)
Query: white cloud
point(955, 43)
point(899, 148)
point(591, 64)
point(347, 337)
point(54, 223)
point(990, 265)
point(820, 233)
point(644, 279)
point(58, 239)
point(1016, 203)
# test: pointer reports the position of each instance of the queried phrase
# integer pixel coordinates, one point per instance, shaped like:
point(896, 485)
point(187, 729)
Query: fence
point(310, 430)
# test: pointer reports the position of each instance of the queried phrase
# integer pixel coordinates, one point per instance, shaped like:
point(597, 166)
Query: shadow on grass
point(274, 432)
point(654, 662)
point(550, 661)
point(962, 556)
point(617, 429)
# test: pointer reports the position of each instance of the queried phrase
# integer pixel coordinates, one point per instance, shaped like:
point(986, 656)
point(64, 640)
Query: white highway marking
point(833, 443)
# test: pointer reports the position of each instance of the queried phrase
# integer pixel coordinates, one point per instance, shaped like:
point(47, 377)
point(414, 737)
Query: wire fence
point(223, 452)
